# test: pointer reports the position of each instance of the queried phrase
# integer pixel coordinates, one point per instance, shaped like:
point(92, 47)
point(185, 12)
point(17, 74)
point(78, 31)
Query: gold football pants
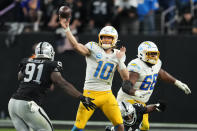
point(106, 101)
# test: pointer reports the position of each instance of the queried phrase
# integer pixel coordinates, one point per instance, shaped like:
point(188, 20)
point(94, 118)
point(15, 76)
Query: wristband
point(67, 29)
point(122, 66)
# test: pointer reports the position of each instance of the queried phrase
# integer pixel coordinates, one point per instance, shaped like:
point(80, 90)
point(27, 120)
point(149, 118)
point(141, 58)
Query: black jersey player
point(35, 77)
point(132, 114)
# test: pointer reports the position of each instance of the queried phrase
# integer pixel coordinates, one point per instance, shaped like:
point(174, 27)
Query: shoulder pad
point(134, 66)
point(90, 45)
point(58, 66)
point(54, 65)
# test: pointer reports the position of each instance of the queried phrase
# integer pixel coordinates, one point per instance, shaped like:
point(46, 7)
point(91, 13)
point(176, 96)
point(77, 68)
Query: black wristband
point(127, 86)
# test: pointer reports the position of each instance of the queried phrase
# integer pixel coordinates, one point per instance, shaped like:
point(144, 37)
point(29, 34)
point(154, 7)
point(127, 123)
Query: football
point(65, 12)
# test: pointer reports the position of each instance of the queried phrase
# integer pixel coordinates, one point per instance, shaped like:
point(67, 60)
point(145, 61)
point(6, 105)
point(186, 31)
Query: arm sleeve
point(123, 59)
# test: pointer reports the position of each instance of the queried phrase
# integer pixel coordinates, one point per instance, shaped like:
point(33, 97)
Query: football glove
point(183, 87)
point(86, 101)
point(161, 106)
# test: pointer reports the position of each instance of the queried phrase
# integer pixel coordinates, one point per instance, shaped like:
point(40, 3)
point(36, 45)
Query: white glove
point(183, 87)
point(140, 94)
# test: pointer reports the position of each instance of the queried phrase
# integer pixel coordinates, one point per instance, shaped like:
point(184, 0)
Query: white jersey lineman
point(146, 82)
point(100, 68)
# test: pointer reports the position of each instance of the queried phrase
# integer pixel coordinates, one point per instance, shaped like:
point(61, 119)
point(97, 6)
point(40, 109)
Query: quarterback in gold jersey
point(143, 74)
point(102, 61)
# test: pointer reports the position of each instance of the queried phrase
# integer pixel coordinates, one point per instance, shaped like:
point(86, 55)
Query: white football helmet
point(128, 112)
point(44, 50)
point(108, 31)
point(148, 52)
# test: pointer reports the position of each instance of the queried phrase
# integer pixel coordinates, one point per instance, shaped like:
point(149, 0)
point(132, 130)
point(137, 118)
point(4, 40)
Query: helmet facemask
point(152, 57)
point(129, 119)
point(104, 43)
point(108, 31)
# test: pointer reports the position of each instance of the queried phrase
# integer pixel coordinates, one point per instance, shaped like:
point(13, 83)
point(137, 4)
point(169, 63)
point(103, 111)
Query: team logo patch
point(99, 55)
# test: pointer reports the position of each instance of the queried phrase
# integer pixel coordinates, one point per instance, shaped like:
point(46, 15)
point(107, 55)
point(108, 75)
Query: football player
point(132, 114)
point(143, 74)
point(35, 77)
point(102, 60)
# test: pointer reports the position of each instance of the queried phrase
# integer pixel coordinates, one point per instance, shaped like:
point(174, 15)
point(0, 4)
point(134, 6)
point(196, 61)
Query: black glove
point(161, 106)
point(87, 102)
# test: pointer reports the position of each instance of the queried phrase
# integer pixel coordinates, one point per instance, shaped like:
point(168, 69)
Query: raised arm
point(123, 73)
point(129, 78)
point(57, 79)
point(122, 69)
point(77, 46)
point(165, 76)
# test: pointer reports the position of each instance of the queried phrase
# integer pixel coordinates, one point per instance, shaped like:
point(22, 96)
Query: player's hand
point(183, 87)
point(64, 22)
point(161, 106)
point(140, 94)
point(121, 53)
point(87, 102)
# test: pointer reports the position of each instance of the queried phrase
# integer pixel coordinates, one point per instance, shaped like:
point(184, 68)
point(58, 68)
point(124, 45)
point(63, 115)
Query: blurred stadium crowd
point(88, 16)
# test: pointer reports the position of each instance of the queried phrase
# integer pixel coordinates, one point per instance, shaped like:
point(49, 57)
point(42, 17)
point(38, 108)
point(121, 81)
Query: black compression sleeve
point(127, 86)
